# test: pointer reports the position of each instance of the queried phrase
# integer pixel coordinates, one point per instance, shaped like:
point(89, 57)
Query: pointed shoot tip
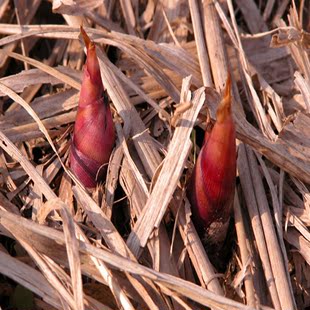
point(86, 38)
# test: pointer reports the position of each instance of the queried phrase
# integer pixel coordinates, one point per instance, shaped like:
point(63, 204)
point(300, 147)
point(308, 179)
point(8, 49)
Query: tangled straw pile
point(131, 244)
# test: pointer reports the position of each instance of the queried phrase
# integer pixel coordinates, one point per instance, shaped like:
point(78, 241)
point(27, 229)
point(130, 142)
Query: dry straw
point(163, 64)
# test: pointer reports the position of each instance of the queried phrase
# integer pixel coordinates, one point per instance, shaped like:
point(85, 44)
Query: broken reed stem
point(169, 175)
point(129, 15)
point(245, 254)
point(219, 61)
point(118, 292)
point(274, 250)
point(49, 274)
point(249, 195)
point(144, 145)
point(49, 194)
point(139, 189)
point(112, 180)
point(215, 44)
point(196, 250)
point(30, 278)
point(177, 285)
point(200, 43)
point(122, 105)
point(148, 153)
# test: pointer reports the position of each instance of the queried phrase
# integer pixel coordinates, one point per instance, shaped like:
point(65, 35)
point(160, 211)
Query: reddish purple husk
point(94, 135)
point(212, 184)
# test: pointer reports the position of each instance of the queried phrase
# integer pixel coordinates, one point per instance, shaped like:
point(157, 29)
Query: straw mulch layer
point(130, 243)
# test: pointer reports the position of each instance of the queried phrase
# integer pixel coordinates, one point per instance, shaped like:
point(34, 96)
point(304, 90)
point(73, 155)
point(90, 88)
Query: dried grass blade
point(200, 43)
point(25, 31)
point(52, 71)
point(150, 65)
point(138, 285)
point(215, 44)
point(300, 243)
point(159, 245)
point(243, 245)
point(72, 251)
point(105, 227)
point(277, 259)
point(168, 178)
point(254, 100)
point(29, 278)
point(8, 205)
point(33, 114)
point(30, 131)
point(13, 151)
point(132, 165)
point(102, 223)
point(118, 292)
point(297, 223)
point(304, 88)
point(196, 251)
point(133, 86)
point(53, 273)
point(250, 198)
point(112, 179)
point(178, 285)
point(129, 16)
point(64, 294)
point(144, 144)
point(20, 81)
